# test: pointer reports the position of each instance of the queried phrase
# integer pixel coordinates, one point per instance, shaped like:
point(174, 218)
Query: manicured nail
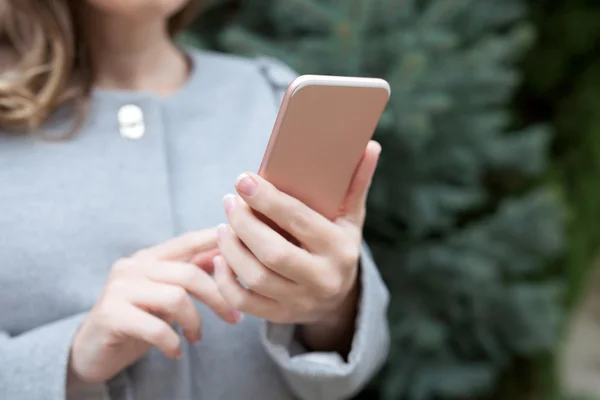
point(222, 231)
point(218, 263)
point(378, 148)
point(236, 316)
point(246, 185)
point(229, 203)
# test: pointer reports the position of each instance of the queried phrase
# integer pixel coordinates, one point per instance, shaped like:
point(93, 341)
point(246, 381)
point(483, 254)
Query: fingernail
point(178, 354)
point(246, 185)
point(237, 316)
point(229, 203)
point(199, 337)
point(378, 147)
point(217, 263)
point(222, 231)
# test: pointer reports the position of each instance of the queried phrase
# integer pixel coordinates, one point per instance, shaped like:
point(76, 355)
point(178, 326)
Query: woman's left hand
point(313, 284)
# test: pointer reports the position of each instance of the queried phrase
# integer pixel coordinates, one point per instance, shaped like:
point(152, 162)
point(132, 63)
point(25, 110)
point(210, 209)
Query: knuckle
point(178, 298)
point(188, 273)
point(297, 221)
point(107, 317)
point(143, 254)
point(159, 333)
point(275, 257)
point(116, 288)
point(257, 279)
point(330, 287)
point(123, 265)
point(349, 255)
point(105, 313)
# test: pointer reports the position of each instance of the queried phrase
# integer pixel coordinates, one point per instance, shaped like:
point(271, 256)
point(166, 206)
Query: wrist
point(344, 314)
point(333, 332)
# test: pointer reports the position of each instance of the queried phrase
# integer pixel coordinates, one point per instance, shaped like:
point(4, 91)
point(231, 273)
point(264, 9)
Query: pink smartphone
point(320, 135)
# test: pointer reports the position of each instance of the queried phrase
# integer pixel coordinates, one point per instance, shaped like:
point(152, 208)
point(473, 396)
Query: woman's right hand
point(144, 295)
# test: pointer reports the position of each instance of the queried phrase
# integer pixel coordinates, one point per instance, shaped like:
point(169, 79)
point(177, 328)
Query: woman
point(109, 236)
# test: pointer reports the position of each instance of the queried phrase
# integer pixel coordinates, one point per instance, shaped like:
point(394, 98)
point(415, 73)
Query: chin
point(137, 9)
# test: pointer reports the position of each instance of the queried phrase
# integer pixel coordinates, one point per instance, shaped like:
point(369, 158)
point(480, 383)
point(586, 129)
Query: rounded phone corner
point(378, 83)
point(386, 85)
point(301, 81)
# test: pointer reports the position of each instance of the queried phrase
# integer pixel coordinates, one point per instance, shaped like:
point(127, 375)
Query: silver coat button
point(131, 122)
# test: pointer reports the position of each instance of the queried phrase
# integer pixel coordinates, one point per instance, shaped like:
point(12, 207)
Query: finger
point(250, 270)
point(353, 207)
point(196, 282)
point(136, 323)
point(182, 248)
point(170, 301)
point(240, 298)
point(314, 231)
point(204, 260)
point(271, 249)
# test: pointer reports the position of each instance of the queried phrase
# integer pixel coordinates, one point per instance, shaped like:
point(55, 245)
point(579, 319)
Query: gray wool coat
point(69, 209)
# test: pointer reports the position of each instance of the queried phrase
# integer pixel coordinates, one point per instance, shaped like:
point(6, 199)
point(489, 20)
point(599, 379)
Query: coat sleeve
point(33, 365)
point(327, 376)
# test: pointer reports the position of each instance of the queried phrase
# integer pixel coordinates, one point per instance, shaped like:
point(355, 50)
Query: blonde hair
point(42, 60)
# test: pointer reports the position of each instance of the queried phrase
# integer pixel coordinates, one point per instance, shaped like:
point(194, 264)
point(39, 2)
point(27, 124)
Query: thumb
point(353, 207)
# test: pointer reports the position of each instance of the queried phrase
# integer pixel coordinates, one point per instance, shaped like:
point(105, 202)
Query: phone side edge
point(287, 97)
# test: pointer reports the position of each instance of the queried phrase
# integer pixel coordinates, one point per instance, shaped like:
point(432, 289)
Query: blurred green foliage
point(464, 229)
point(562, 86)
